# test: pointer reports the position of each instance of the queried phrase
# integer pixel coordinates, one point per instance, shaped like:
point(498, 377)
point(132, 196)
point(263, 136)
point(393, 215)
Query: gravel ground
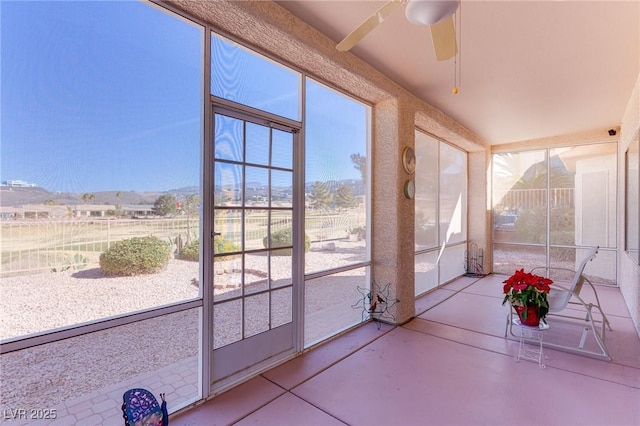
point(46, 375)
point(34, 303)
point(46, 301)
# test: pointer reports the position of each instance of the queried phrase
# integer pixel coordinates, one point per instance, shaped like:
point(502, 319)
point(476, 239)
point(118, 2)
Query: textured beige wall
point(628, 270)
point(393, 214)
point(273, 31)
point(479, 205)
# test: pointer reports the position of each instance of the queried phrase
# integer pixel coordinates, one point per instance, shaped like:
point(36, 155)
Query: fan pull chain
point(457, 64)
point(455, 76)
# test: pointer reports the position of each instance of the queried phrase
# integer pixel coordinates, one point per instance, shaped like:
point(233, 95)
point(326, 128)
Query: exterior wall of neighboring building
point(59, 211)
point(593, 213)
point(34, 211)
point(92, 210)
point(19, 184)
point(628, 268)
point(138, 211)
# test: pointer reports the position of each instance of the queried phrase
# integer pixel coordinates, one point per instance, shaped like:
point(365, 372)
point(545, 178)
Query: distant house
point(92, 210)
point(10, 213)
point(47, 211)
point(19, 184)
point(138, 210)
point(33, 211)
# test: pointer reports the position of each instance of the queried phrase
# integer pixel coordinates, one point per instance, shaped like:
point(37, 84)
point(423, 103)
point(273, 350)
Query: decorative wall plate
point(409, 189)
point(409, 160)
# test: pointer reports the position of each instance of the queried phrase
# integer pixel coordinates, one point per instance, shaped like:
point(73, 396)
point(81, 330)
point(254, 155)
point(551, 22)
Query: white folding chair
point(563, 301)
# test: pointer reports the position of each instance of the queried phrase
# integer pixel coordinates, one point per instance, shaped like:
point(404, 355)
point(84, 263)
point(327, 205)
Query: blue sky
point(100, 96)
point(83, 102)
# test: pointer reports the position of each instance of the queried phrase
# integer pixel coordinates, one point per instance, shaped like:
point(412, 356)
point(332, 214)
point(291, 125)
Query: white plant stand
point(533, 334)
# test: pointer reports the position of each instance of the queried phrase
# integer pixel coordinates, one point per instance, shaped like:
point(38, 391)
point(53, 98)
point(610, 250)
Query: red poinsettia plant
point(526, 289)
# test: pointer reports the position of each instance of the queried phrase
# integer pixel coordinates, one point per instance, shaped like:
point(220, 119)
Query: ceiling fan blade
point(367, 26)
point(443, 35)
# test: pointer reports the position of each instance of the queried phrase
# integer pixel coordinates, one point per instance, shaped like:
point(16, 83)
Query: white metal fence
point(527, 199)
point(40, 245)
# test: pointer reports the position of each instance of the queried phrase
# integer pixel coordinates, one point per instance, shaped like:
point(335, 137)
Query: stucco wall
point(628, 270)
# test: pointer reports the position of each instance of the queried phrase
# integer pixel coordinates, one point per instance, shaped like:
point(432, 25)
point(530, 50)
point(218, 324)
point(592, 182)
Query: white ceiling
point(528, 69)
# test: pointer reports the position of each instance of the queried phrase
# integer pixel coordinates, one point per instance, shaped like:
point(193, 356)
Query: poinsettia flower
point(542, 284)
point(514, 279)
point(526, 289)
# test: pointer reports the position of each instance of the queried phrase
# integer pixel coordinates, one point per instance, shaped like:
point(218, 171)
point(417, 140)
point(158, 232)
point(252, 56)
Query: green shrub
point(138, 255)
point(283, 239)
point(531, 226)
point(360, 232)
point(77, 262)
point(191, 251)
point(220, 246)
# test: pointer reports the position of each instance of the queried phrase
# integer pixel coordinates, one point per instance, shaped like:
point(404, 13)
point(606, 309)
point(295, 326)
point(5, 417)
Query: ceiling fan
point(437, 14)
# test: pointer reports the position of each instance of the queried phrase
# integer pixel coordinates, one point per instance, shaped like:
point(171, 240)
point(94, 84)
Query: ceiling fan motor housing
point(429, 12)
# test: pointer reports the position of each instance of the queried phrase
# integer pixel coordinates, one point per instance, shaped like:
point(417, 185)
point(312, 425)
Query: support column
point(479, 202)
point(393, 214)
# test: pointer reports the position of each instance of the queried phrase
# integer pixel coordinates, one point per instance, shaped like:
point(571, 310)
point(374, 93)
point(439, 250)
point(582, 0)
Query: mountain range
point(15, 196)
point(12, 196)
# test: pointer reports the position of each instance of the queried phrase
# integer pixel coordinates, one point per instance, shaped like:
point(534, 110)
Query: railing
point(40, 245)
point(525, 199)
point(48, 245)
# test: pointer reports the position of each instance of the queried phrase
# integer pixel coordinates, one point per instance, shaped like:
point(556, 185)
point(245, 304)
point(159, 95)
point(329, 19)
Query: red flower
point(515, 281)
point(526, 289)
point(542, 284)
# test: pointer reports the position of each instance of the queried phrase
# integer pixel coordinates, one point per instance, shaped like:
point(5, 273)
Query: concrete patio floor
point(451, 365)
